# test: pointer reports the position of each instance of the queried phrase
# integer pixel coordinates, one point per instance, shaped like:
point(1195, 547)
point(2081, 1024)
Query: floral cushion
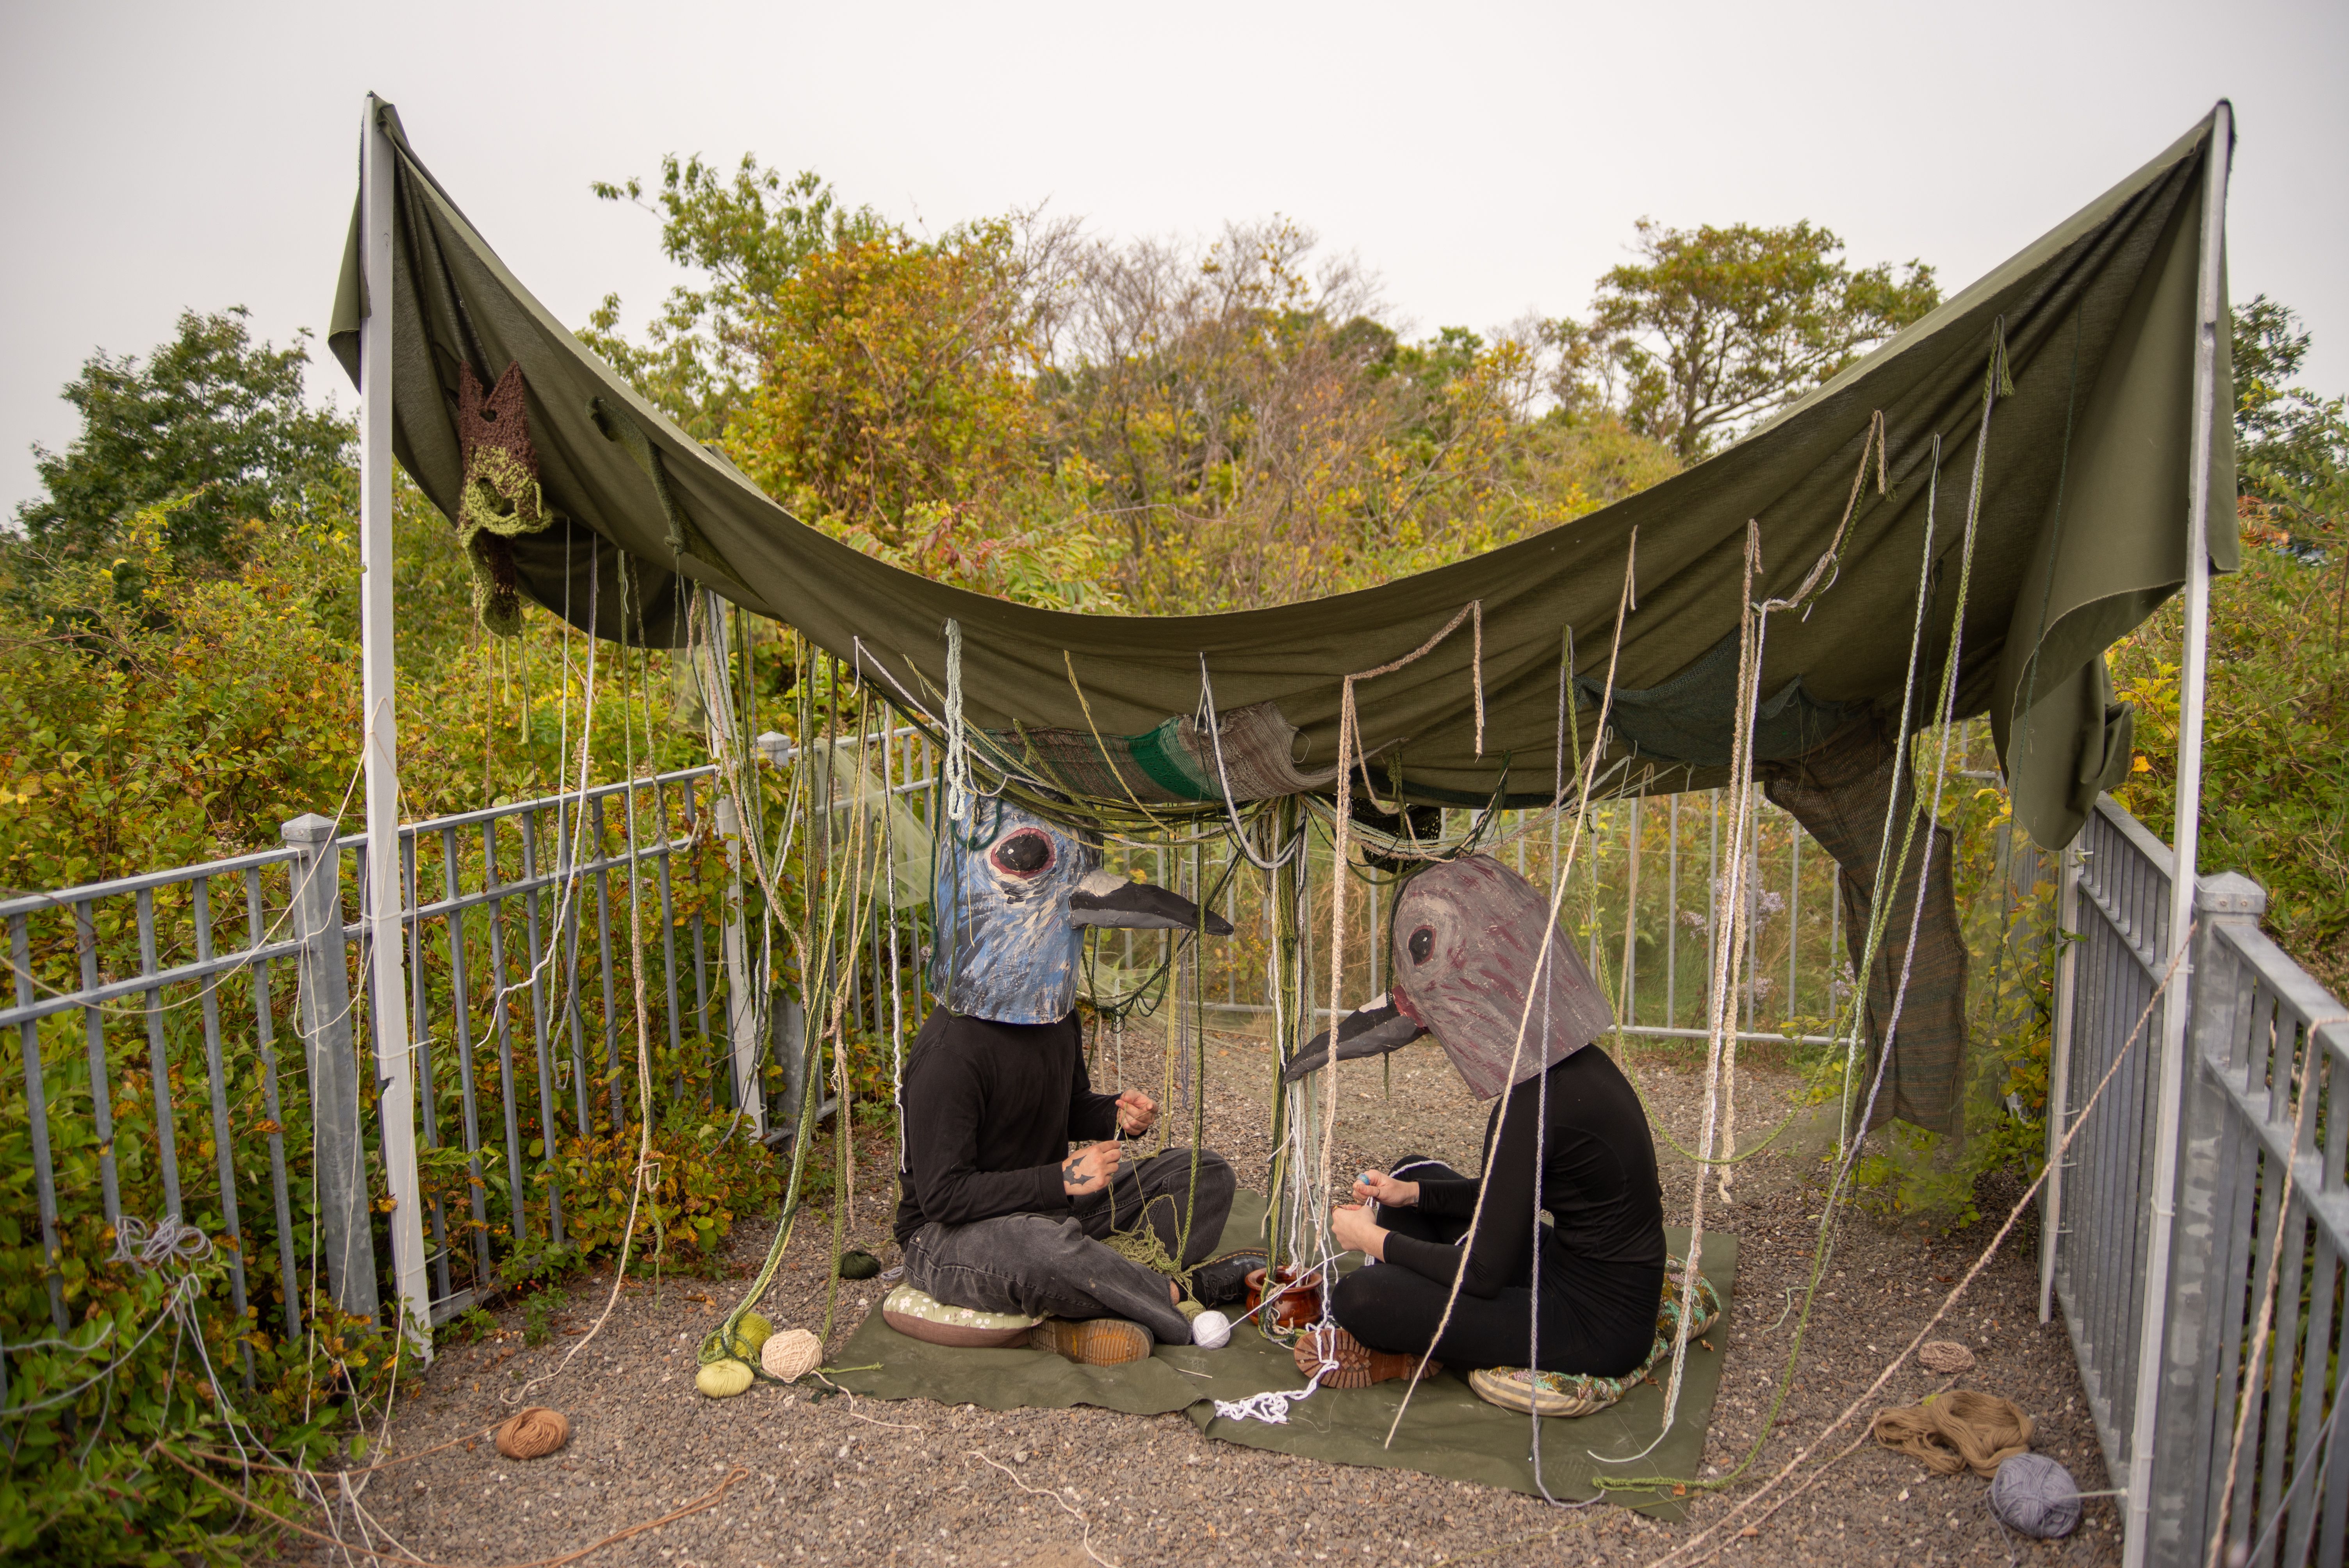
point(920, 1315)
point(1579, 1394)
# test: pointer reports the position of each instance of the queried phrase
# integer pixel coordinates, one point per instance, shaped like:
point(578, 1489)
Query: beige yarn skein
point(791, 1355)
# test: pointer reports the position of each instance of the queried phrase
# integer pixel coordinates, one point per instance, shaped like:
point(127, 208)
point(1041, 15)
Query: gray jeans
point(1056, 1266)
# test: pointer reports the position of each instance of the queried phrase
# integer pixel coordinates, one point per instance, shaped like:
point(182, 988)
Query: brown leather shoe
point(1345, 1362)
point(1092, 1341)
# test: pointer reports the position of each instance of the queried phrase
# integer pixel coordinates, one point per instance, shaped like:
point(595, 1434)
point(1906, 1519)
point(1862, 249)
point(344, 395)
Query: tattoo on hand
point(1068, 1173)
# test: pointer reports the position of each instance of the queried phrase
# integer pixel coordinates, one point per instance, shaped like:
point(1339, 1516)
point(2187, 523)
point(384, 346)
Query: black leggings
point(1599, 1319)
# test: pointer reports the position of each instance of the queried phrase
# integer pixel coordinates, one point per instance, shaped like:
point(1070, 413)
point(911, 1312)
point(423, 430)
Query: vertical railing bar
point(1794, 911)
point(1753, 915)
point(550, 1092)
point(411, 854)
point(167, 1142)
point(1631, 914)
point(614, 1099)
point(2283, 1359)
point(201, 911)
point(575, 1020)
point(1835, 958)
point(461, 1011)
point(364, 1071)
point(710, 1054)
point(2312, 1399)
point(36, 1117)
point(669, 942)
point(501, 1022)
point(265, 1033)
point(1672, 918)
point(1712, 933)
point(2272, 1225)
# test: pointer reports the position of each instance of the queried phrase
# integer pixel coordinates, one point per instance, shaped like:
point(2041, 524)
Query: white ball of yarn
point(791, 1355)
point(2035, 1496)
point(1211, 1330)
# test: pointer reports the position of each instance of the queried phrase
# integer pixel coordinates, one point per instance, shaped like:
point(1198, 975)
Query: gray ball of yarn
point(2033, 1495)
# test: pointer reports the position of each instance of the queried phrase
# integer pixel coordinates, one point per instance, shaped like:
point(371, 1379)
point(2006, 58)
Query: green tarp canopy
point(2083, 531)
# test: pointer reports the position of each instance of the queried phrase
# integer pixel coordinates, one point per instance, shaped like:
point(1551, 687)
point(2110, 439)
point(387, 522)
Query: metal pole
point(383, 888)
point(2211, 313)
point(338, 1155)
point(2059, 1077)
point(1672, 916)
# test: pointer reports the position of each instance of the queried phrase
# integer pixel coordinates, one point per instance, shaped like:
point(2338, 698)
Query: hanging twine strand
point(1541, 960)
point(1349, 743)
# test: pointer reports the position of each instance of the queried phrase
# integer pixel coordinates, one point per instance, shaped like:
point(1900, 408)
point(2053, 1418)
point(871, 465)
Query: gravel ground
point(836, 1480)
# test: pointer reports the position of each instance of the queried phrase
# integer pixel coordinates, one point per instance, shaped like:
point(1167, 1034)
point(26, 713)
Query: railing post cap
point(308, 829)
point(776, 745)
point(2230, 894)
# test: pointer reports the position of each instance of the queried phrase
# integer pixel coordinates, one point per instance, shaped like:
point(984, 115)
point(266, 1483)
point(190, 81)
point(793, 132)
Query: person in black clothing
point(1601, 1258)
point(997, 1214)
point(1568, 1137)
point(995, 1211)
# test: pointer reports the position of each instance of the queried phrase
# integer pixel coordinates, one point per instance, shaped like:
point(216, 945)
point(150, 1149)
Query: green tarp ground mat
point(1448, 1432)
point(2083, 527)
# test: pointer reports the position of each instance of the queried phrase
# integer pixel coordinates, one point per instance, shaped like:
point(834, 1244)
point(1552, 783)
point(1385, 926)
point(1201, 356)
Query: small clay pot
point(1299, 1304)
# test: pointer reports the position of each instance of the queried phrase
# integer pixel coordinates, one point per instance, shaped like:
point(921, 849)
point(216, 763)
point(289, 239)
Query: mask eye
point(1422, 943)
point(1026, 853)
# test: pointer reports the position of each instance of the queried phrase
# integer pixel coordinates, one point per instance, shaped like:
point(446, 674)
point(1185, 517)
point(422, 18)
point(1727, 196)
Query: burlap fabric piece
point(1961, 1429)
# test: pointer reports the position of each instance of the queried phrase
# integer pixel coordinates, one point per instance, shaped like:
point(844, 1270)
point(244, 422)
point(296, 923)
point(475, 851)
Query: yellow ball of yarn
point(723, 1379)
point(791, 1355)
point(750, 1334)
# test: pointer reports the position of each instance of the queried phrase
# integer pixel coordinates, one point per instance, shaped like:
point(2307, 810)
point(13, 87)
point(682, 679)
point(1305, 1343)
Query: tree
point(896, 384)
point(2292, 447)
point(749, 236)
point(211, 416)
point(1713, 327)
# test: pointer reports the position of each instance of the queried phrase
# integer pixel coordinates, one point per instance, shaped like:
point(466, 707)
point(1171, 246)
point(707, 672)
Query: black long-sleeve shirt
point(988, 1112)
point(1598, 1179)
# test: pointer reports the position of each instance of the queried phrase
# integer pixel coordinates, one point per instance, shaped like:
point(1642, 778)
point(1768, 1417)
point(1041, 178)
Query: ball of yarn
point(1944, 1356)
point(533, 1432)
point(750, 1334)
point(2033, 1495)
point(1211, 1330)
point(722, 1379)
point(791, 1355)
point(858, 1263)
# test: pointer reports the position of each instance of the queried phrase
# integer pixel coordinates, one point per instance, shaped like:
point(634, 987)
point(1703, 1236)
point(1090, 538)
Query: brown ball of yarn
point(533, 1433)
point(1944, 1356)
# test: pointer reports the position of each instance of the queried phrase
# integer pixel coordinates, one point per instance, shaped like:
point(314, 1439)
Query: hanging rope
point(1541, 960)
point(1889, 873)
point(1349, 743)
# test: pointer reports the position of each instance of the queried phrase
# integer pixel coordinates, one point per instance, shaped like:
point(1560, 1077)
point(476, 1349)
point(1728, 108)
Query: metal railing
point(144, 1025)
point(2268, 1059)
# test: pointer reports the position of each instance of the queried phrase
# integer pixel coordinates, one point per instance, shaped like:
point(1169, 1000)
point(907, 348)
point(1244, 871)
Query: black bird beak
point(1369, 1031)
point(1109, 900)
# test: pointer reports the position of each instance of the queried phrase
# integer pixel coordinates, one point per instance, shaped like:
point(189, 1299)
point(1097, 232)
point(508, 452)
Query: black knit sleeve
point(1512, 1181)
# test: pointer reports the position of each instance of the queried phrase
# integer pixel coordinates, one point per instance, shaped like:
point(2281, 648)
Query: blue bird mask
point(1013, 895)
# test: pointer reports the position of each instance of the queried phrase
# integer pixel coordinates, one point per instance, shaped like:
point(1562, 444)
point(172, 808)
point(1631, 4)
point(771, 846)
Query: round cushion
point(918, 1315)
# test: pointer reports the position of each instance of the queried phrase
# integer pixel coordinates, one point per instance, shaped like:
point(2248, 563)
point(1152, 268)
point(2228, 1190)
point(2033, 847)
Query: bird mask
point(1469, 968)
point(1013, 896)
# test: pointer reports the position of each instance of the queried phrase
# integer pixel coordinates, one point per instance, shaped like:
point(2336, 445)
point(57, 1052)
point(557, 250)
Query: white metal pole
point(2184, 834)
point(385, 893)
point(2059, 1073)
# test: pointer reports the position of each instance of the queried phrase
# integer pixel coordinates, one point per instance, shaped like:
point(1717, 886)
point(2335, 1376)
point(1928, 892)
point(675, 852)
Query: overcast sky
point(1484, 161)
